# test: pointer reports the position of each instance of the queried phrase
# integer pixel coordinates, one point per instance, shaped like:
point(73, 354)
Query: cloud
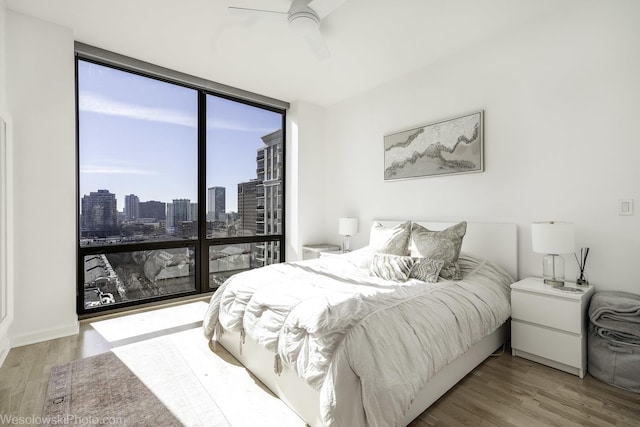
point(94, 103)
point(115, 170)
point(220, 124)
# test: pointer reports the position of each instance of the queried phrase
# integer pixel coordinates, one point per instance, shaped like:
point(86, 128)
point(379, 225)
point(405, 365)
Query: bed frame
point(491, 241)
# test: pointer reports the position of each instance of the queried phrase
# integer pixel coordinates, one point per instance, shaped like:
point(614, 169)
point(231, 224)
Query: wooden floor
point(503, 391)
point(510, 391)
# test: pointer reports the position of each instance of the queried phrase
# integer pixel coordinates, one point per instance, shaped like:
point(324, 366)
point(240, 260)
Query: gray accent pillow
point(444, 245)
point(426, 269)
point(392, 240)
point(391, 267)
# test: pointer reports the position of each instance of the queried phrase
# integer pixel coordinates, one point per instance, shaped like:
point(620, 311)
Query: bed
point(334, 369)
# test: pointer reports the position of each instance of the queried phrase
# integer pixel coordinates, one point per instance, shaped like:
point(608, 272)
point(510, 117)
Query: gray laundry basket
point(614, 362)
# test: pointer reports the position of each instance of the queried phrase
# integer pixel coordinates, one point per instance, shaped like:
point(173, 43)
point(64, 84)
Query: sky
point(139, 136)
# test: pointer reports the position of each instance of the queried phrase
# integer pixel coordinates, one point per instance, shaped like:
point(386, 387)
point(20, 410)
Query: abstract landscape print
point(443, 148)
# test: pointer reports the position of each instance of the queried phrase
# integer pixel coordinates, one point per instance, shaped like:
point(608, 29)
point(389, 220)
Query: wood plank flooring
point(511, 391)
point(502, 391)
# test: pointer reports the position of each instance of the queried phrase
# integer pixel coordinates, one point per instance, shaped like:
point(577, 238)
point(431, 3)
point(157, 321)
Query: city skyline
point(139, 136)
point(122, 208)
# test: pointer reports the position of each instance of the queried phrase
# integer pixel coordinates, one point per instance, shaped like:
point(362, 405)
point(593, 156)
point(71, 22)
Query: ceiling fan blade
point(317, 44)
point(325, 7)
point(259, 13)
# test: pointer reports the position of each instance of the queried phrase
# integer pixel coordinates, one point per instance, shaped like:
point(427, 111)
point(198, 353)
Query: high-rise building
point(216, 199)
point(131, 207)
point(99, 216)
point(247, 207)
point(193, 212)
point(269, 194)
point(153, 209)
point(180, 211)
point(170, 217)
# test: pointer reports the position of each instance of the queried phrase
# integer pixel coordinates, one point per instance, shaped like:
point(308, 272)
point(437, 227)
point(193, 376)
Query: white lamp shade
point(347, 226)
point(553, 237)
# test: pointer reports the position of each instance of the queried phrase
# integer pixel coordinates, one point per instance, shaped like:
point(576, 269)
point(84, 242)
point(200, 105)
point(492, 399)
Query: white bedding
point(347, 333)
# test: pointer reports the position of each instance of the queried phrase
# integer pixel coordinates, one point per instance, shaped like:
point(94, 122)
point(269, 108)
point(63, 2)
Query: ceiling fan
point(303, 17)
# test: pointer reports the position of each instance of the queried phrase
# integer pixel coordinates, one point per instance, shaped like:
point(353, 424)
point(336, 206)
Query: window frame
point(202, 243)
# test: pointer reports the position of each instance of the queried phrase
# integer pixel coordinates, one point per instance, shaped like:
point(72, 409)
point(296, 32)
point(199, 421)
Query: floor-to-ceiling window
point(238, 178)
point(178, 187)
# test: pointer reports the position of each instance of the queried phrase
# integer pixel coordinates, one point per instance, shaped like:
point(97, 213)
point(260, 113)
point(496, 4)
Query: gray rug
point(102, 390)
point(171, 380)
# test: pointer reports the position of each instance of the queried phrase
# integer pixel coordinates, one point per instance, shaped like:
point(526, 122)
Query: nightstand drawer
point(555, 312)
point(555, 345)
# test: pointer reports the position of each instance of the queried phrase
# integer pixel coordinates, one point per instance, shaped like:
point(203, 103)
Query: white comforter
point(339, 328)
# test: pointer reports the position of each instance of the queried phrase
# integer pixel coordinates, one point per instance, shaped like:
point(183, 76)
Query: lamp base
point(553, 270)
point(345, 244)
point(554, 282)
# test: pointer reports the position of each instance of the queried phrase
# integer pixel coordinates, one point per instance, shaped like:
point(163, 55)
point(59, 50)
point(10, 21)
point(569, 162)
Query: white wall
point(561, 139)
point(2, 55)
point(305, 181)
point(40, 98)
point(6, 305)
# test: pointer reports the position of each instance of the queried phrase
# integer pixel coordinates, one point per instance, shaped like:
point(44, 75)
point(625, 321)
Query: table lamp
point(553, 239)
point(347, 227)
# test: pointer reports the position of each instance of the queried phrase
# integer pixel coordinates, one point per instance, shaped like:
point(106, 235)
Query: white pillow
point(391, 267)
point(394, 240)
point(361, 258)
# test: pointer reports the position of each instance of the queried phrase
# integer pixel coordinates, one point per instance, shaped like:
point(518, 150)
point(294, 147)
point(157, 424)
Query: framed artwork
point(447, 147)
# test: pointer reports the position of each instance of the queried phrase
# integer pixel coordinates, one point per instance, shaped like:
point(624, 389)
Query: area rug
point(101, 390)
point(172, 380)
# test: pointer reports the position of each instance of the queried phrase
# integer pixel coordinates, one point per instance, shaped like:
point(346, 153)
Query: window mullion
point(202, 257)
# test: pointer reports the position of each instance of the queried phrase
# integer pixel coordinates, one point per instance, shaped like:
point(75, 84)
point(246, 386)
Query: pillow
point(426, 269)
point(444, 245)
point(391, 267)
point(361, 258)
point(392, 240)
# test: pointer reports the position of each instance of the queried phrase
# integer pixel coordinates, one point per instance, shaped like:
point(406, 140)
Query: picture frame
point(446, 147)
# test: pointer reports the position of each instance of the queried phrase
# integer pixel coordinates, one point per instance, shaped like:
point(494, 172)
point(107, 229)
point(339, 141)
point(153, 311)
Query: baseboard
point(44, 335)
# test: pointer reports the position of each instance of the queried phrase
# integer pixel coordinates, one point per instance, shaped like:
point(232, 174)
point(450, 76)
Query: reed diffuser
point(582, 263)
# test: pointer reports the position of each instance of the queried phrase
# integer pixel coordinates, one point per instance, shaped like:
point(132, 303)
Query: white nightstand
point(549, 326)
point(314, 251)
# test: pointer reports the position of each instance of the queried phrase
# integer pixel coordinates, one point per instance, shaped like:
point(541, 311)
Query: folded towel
point(616, 315)
point(627, 328)
point(615, 305)
point(619, 317)
point(618, 336)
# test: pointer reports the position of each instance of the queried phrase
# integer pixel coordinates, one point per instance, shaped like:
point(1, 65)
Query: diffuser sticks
point(582, 263)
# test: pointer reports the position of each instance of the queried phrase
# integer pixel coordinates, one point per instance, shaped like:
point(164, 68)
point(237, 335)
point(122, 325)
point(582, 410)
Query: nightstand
point(314, 251)
point(549, 326)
